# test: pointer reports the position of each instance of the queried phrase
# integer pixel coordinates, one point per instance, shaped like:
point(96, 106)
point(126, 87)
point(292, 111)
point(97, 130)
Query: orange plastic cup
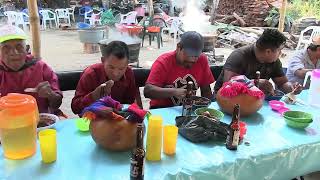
point(170, 135)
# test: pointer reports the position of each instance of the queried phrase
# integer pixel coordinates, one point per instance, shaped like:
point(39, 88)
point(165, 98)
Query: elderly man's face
point(13, 53)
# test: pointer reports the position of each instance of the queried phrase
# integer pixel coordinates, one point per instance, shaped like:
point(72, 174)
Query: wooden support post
point(150, 7)
point(282, 15)
point(214, 7)
point(34, 28)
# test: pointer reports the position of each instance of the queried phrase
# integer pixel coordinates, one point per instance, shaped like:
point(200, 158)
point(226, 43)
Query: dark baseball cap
point(192, 43)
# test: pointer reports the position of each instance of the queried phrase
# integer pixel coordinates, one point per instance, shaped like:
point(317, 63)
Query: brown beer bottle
point(188, 102)
point(137, 157)
point(234, 133)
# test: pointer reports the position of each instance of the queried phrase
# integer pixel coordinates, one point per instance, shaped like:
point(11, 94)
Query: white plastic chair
point(22, 19)
point(129, 18)
point(11, 17)
point(173, 28)
point(71, 13)
point(87, 16)
point(46, 17)
point(95, 18)
point(64, 15)
point(304, 41)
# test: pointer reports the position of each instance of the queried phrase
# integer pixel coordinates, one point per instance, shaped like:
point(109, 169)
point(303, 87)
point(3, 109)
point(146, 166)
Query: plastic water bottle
point(314, 91)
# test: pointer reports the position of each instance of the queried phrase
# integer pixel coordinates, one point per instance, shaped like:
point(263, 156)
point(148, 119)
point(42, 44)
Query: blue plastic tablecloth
point(276, 151)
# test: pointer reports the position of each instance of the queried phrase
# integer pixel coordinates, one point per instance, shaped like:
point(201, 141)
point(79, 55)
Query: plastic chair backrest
point(71, 9)
point(140, 11)
point(159, 22)
point(46, 14)
point(145, 22)
point(176, 22)
point(11, 15)
point(96, 16)
point(315, 32)
point(25, 10)
point(62, 13)
point(88, 14)
point(306, 41)
point(129, 18)
point(84, 9)
point(22, 18)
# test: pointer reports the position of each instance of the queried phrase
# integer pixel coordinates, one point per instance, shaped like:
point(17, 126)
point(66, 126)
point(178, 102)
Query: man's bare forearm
point(301, 73)
point(155, 92)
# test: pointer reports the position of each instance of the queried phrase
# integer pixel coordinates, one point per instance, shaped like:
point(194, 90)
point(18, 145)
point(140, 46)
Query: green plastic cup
point(83, 124)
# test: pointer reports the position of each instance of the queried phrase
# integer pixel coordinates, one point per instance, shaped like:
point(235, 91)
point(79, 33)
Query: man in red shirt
point(111, 77)
point(167, 81)
point(19, 71)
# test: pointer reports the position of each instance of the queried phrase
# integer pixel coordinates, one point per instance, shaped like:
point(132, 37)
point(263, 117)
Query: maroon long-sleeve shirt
point(123, 90)
point(17, 82)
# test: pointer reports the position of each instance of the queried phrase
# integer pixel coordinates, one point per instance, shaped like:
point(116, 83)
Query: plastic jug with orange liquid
point(18, 125)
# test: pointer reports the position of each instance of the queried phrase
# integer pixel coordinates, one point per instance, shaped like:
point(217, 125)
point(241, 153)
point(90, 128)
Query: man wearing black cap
point(167, 81)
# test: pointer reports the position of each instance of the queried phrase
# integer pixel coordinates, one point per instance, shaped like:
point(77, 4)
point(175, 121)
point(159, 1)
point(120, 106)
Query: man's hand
point(266, 87)
point(44, 89)
point(179, 93)
point(297, 88)
point(102, 90)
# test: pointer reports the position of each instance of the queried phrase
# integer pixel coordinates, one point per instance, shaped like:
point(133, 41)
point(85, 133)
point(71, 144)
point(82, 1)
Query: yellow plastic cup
point(154, 138)
point(48, 145)
point(170, 135)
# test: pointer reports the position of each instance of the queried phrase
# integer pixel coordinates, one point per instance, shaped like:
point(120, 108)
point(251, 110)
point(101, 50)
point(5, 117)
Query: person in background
point(20, 71)
point(167, 81)
point(111, 77)
point(262, 56)
point(304, 61)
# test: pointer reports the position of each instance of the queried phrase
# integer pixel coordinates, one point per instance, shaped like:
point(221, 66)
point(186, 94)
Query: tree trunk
point(150, 7)
point(34, 28)
point(214, 7)
point(282, 15)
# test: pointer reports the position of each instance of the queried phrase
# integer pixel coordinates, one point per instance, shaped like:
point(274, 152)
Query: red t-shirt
point(165, 72)
point(123, 90)
point(17, 82)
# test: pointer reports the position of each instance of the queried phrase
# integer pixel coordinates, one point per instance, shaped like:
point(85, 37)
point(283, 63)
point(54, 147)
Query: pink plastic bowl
point(276, 105)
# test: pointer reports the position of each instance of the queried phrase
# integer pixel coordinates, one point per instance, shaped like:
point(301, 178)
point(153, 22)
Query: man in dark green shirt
point(262, 56)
